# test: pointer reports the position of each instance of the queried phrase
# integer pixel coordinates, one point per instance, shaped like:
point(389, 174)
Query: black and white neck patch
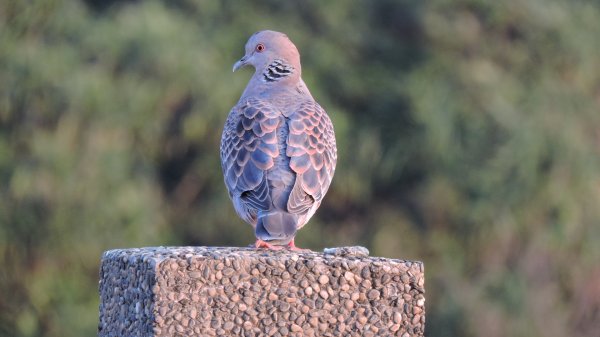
point(277, 70)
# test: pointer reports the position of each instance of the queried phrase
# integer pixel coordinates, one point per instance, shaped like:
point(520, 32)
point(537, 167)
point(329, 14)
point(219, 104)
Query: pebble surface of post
point(214, 291)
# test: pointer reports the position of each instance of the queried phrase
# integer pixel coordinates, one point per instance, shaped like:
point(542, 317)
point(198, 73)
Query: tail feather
point(276, 226)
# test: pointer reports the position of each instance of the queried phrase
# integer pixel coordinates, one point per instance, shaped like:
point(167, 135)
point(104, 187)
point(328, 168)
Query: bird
point(278, 149)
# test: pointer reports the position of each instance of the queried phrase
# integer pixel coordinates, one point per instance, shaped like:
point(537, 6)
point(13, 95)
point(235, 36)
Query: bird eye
point(260, 47)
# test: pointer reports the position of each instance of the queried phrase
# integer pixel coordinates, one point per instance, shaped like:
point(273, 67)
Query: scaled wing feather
point(312, 150)
point(248, 150)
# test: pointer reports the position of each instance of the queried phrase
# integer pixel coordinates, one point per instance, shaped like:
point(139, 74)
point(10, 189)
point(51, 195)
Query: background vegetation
point(468, 134)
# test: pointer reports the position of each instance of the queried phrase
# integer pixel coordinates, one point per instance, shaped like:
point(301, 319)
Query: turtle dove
point(278, 150)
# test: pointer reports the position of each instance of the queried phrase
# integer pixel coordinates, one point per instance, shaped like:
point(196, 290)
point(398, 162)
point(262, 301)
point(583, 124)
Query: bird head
point(265, 47)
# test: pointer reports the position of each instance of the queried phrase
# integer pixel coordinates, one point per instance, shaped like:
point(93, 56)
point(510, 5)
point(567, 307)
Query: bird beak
point(242, 62)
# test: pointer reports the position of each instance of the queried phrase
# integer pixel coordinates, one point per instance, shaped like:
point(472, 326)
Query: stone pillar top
point(215, 291)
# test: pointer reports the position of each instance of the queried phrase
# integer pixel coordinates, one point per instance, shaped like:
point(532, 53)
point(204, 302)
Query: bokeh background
point(468, 134)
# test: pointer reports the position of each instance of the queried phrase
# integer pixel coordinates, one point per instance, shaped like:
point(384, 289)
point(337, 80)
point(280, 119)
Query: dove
point(278, 149)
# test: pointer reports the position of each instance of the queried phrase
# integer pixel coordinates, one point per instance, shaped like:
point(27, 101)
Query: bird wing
point(248, 149)
point(312, 150)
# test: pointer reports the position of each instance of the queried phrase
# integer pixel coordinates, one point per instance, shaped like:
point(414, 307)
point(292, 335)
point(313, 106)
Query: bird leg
point(263, 244)
point(292, 246)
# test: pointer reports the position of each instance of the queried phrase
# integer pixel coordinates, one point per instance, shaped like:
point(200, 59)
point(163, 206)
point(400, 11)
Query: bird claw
point(291, 246)
point(263, 244)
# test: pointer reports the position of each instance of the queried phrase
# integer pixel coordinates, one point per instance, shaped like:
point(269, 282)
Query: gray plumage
point(278, 150)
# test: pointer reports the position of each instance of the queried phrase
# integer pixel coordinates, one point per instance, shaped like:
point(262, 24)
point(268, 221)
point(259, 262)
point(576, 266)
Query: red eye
point(260, 47)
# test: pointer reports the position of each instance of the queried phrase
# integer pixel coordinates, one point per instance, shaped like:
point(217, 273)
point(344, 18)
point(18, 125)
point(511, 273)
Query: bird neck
point(277, 76)
point(280, 70)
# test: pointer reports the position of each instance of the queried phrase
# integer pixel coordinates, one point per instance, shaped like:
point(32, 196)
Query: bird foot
point(263, 244)
point(291, 246)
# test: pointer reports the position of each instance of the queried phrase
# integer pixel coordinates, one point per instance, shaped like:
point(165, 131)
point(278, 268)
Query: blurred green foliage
point(468, 135)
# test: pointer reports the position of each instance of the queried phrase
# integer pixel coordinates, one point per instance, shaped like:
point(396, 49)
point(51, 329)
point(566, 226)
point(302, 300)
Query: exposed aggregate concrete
point(225, 291)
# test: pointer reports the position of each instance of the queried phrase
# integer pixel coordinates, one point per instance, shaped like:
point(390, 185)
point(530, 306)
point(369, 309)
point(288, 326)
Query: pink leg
point(263, 244)
point(292, 246)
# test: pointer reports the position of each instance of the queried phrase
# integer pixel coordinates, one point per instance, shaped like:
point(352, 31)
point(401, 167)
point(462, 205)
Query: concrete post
point(216, 291)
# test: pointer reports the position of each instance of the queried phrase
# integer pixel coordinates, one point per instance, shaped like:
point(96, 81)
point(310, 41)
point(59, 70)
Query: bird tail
point(276, 226)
